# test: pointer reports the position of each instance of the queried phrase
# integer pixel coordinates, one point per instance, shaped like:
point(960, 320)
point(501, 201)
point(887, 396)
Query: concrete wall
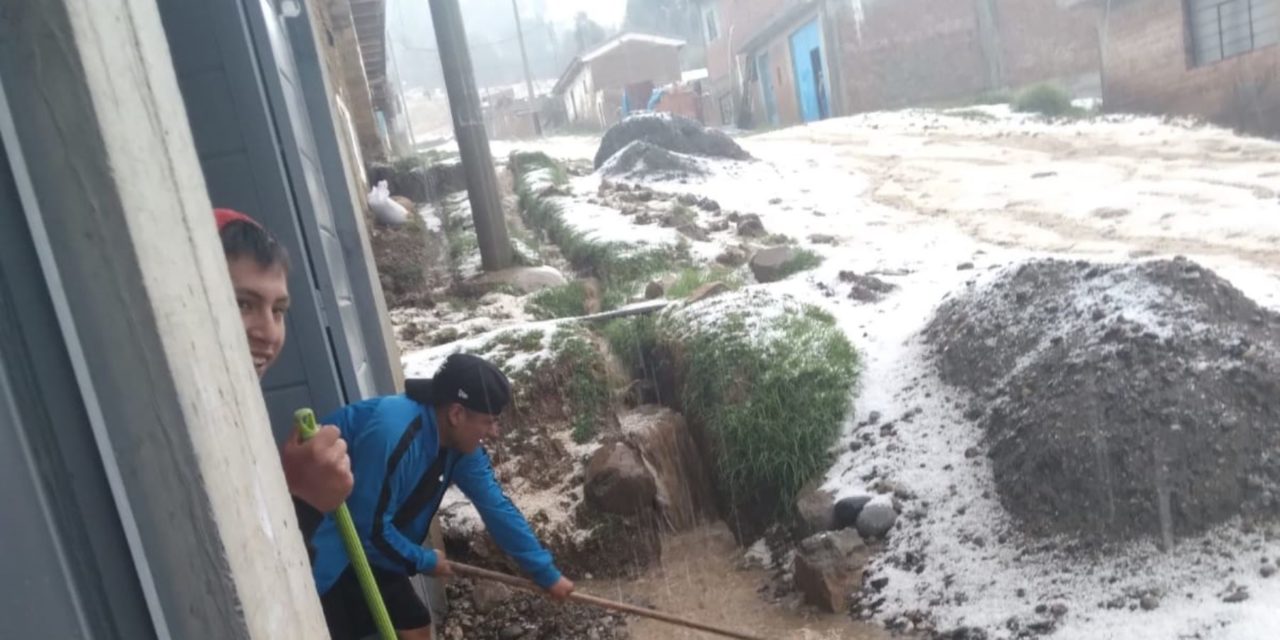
point(1149, 69)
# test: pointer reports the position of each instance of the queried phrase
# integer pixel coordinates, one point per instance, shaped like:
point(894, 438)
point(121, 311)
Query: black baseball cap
point(468, 380)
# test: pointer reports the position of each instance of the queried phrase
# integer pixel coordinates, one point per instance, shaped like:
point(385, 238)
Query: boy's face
point(263, 296)
point(469, 429)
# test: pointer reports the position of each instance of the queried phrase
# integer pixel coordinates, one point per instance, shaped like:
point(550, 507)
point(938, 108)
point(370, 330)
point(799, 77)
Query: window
point(712, 23)
point(1222, 29)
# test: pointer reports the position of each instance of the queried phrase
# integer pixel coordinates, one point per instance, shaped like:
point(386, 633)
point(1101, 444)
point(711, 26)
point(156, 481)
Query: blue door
point(811, 85)
point(766, 87)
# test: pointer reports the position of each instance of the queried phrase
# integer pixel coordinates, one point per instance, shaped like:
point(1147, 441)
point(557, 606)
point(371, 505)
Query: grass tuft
point(1046, 100)
point(804, 260)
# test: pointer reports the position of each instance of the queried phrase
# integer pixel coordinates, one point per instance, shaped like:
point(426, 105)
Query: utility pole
point(473, 142)
point(528, 77)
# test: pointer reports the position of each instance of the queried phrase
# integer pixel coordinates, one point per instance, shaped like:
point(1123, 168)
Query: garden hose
point(305, 419)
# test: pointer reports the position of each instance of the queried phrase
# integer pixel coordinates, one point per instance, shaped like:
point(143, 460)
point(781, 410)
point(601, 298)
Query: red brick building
point(781, 62)
point(591, 89)
point(1211, 58)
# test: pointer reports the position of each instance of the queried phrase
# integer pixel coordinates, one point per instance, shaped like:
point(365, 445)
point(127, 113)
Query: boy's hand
point(318, 471)
point(443, 569)
point(560, 591)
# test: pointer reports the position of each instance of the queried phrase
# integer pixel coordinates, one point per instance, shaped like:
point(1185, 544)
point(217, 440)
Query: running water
point(699, 579)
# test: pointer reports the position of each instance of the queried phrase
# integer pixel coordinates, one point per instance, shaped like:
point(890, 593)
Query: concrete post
point(473, 142)
point(122, 222)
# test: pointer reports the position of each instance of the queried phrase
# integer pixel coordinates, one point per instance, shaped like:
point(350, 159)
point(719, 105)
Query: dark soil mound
point(673, 133)
point(405, 257)
point(420, 182)
point(1120, 400)
point(643, 160)
point(508, 615)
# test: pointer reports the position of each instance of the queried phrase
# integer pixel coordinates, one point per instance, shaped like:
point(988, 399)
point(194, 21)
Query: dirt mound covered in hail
point(672, 133)
point(1119, 401)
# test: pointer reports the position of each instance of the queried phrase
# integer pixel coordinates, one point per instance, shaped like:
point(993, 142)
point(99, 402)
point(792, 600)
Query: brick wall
point(1148, 69)
point(911, 52)
point(907, 52)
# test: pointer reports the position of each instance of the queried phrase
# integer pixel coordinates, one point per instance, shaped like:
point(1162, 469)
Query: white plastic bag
point(385, 210)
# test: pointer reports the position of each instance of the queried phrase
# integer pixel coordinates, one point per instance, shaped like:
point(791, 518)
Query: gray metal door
point(288, 103)
point(64, 557)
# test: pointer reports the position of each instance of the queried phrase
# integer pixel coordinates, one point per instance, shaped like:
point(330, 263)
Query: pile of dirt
point(480, 611)
point(420, 181)
point(408, 258)
point(673, 133)
point(640, 159)
point(1120, 401)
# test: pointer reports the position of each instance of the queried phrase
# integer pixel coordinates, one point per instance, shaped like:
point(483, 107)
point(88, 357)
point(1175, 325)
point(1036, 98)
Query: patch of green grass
point(804, 260)
point(633, 341)
point(772, 408)
point(566, 301)
point(529, 341)
point(586, 387)
point(1046, 100)
point(690, 279)
point(779, 239)
point(523, 162)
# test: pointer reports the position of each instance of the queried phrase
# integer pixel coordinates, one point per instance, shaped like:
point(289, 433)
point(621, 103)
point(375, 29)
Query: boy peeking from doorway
point(407, 450)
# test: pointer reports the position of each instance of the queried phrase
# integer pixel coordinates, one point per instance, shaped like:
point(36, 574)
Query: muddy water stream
point(699, 579)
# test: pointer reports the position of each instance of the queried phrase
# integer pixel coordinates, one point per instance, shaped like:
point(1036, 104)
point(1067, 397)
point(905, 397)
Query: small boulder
point(693, 232)
point(654, 290)
point(750, 226)
point(708, 290)
point(876, 518)
point(822, 238)
point(816, 508)
point(767, 264)
point(487, 596)
point(1267, 570)
point(829, 568)
point(617, 481)
point(1149, 602)
point(847, 510)
point(732, 257)
point(707, 204)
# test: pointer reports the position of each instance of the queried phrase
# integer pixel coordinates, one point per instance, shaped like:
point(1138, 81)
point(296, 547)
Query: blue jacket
point(401, 474)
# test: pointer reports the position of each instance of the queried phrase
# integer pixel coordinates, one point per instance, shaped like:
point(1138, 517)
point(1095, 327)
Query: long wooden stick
point(526, 585)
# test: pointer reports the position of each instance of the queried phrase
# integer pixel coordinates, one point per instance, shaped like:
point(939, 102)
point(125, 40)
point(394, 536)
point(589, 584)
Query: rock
point(1149, 602)
point(767, 264)
point(653, 291)
point(687, 199)
point(876, 518)
point(829, 567)
point(488, 596)
point(1239, 595)
point(643, 160)
point(750, 226)
point(775, 201)
point(816, 507)
point(662, 436)
point(708, 290)
point(964, 633)
point(1058, 610)
point(709, 205)
point(670, 133)
point(822, 238)
point(866, 288)
point(964, 266)
point(847, 510)
point(693, 232)
point(617, 481)
point(511, 632)
point(1267, 570)
point(524, 279)
point(732, 257)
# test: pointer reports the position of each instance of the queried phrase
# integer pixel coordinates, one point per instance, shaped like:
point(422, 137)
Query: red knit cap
point(227, 216)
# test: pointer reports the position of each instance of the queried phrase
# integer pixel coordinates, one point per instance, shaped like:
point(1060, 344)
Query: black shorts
point(348, 616)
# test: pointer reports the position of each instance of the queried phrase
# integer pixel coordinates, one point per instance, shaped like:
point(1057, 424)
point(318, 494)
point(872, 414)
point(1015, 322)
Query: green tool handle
point(306, 421)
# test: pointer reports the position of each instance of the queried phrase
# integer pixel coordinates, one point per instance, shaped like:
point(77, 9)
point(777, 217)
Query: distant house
point(1217, 59)
point(785, 62)
point(622, 72)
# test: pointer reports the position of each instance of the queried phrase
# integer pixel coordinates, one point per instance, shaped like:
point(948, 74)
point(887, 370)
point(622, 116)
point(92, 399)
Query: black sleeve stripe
point(380, 541)
point(422, 494)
